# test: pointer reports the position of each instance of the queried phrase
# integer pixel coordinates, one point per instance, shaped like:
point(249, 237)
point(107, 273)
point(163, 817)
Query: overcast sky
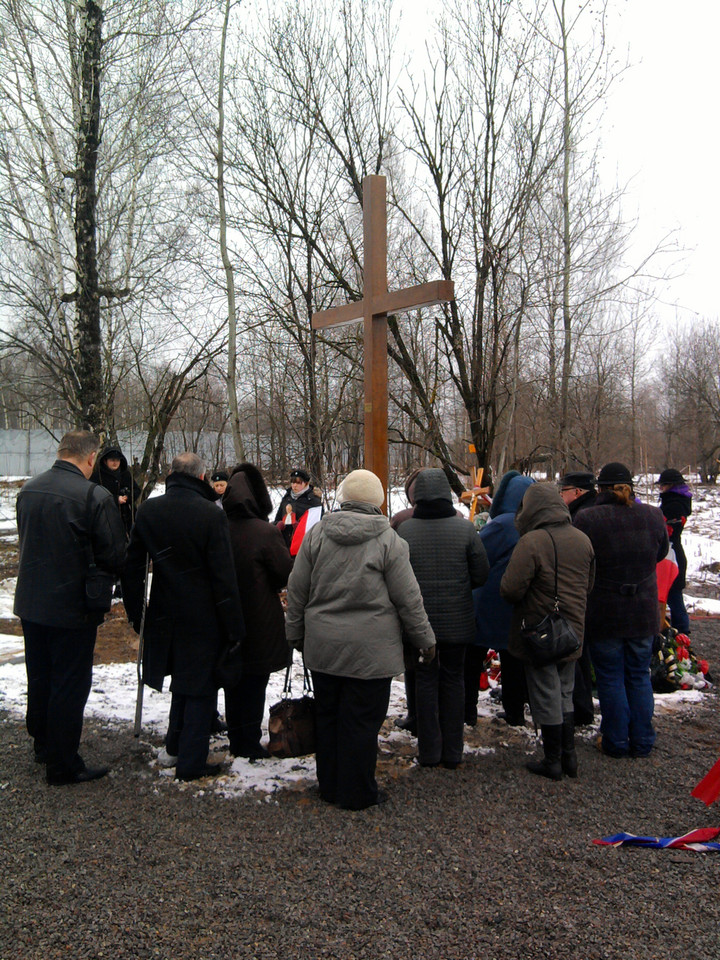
point(662, 131)
point(660, 135)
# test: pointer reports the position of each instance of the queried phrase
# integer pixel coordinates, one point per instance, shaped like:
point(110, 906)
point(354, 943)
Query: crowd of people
point(426, 595)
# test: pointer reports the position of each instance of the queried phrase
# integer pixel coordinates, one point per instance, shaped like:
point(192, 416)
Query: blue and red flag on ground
point(700, 840)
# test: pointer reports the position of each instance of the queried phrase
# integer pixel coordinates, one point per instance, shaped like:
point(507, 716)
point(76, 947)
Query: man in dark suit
point(64, 523)
point(194, 609)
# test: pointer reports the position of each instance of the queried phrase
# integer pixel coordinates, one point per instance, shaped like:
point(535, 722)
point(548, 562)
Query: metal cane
point(141, 647)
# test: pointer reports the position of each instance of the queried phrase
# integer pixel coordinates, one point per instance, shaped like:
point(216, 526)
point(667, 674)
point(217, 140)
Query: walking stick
point(141, 647)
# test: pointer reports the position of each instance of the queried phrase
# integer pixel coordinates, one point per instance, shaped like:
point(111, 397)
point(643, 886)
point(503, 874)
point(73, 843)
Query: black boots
point(559, 749)
point(550, 766)
point(569, 757)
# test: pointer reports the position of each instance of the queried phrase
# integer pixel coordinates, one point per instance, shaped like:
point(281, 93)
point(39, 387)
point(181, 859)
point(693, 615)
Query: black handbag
point(292, 720)
point(99, 584)
point(553, 639)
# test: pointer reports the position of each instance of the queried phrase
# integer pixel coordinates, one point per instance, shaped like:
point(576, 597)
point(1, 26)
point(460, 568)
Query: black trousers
point(513, 687)
point(188, 735)
point(583, 707)
point(59, 670)
point(244, 709)
point(409, 676)
point(475, 658)
point(441, 705)
point(349, 714)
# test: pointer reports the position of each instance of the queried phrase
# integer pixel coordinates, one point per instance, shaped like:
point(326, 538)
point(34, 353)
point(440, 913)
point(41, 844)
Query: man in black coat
point(578, 492)
point(194, 607)
point(63, 521)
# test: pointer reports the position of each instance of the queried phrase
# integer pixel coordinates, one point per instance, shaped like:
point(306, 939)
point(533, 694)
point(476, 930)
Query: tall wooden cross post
point(373, 309)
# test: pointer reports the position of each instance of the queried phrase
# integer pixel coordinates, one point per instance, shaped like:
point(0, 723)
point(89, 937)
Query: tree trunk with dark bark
point(91, 405)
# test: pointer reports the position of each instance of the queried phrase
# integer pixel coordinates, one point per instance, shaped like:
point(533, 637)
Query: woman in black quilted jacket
point(448, 560)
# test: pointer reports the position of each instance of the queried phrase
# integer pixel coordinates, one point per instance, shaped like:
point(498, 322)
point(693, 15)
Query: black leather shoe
point(512, 720)
point(218, 725)
point(409, 724)
point(209, 770)
point(81, 776)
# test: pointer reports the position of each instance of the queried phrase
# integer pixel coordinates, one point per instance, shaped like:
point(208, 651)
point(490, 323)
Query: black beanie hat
point(613, 473)
point(219, 475)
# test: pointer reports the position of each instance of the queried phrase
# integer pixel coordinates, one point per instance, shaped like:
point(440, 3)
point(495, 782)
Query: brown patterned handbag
point(292, 720)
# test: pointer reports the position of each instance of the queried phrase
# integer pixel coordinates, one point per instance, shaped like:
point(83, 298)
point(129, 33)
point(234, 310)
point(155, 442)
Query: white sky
point(659, 135)
point(662, 132)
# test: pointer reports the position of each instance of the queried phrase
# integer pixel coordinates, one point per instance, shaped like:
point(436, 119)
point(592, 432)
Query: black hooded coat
point(119, 483)
point(262, 564)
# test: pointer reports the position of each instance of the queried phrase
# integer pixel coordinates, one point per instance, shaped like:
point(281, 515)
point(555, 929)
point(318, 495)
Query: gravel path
point(483, 862)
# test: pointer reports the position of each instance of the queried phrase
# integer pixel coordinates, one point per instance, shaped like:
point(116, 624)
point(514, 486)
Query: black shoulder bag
point(553, 639)
point(99, 583)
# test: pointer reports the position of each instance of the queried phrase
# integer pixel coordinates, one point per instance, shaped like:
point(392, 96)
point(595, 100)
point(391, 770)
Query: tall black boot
point(569, 757)
point(550, 765)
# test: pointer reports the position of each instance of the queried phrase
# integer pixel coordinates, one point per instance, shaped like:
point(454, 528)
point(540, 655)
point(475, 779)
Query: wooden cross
point(373, 309)
point(478, 496)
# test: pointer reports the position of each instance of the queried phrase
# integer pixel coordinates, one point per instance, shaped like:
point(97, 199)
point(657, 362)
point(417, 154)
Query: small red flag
point(708, 790)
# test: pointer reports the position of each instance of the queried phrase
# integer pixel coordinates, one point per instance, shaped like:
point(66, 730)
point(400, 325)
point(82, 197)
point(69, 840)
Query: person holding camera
point(111, 471)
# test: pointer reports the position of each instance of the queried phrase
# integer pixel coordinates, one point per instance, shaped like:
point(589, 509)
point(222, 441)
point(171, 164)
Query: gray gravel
point(483, 862)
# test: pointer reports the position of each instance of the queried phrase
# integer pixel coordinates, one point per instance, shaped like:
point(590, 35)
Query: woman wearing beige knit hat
point(351, 596)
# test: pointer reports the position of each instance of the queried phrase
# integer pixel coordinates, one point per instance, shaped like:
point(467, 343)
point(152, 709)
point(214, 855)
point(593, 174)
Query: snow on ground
point(113, 698)
point(114, 692)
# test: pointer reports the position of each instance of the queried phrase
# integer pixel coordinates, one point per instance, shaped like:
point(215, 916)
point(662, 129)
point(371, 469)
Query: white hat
point(362, 485)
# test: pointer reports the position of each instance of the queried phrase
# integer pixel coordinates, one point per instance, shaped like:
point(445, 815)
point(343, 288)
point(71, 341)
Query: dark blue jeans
point(188, 735)
point(58, 661)
point(622, 672)
point(678, 614)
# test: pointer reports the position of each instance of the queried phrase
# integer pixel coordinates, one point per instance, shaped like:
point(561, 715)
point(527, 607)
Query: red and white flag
point(307, 521)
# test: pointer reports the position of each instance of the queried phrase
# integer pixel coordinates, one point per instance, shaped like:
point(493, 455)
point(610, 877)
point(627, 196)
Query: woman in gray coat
point(543, 521)
point(351, 596)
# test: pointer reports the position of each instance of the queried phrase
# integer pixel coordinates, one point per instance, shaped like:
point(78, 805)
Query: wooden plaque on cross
point(376, 304)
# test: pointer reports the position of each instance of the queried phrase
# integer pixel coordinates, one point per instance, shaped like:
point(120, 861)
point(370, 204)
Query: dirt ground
point(117, 642)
